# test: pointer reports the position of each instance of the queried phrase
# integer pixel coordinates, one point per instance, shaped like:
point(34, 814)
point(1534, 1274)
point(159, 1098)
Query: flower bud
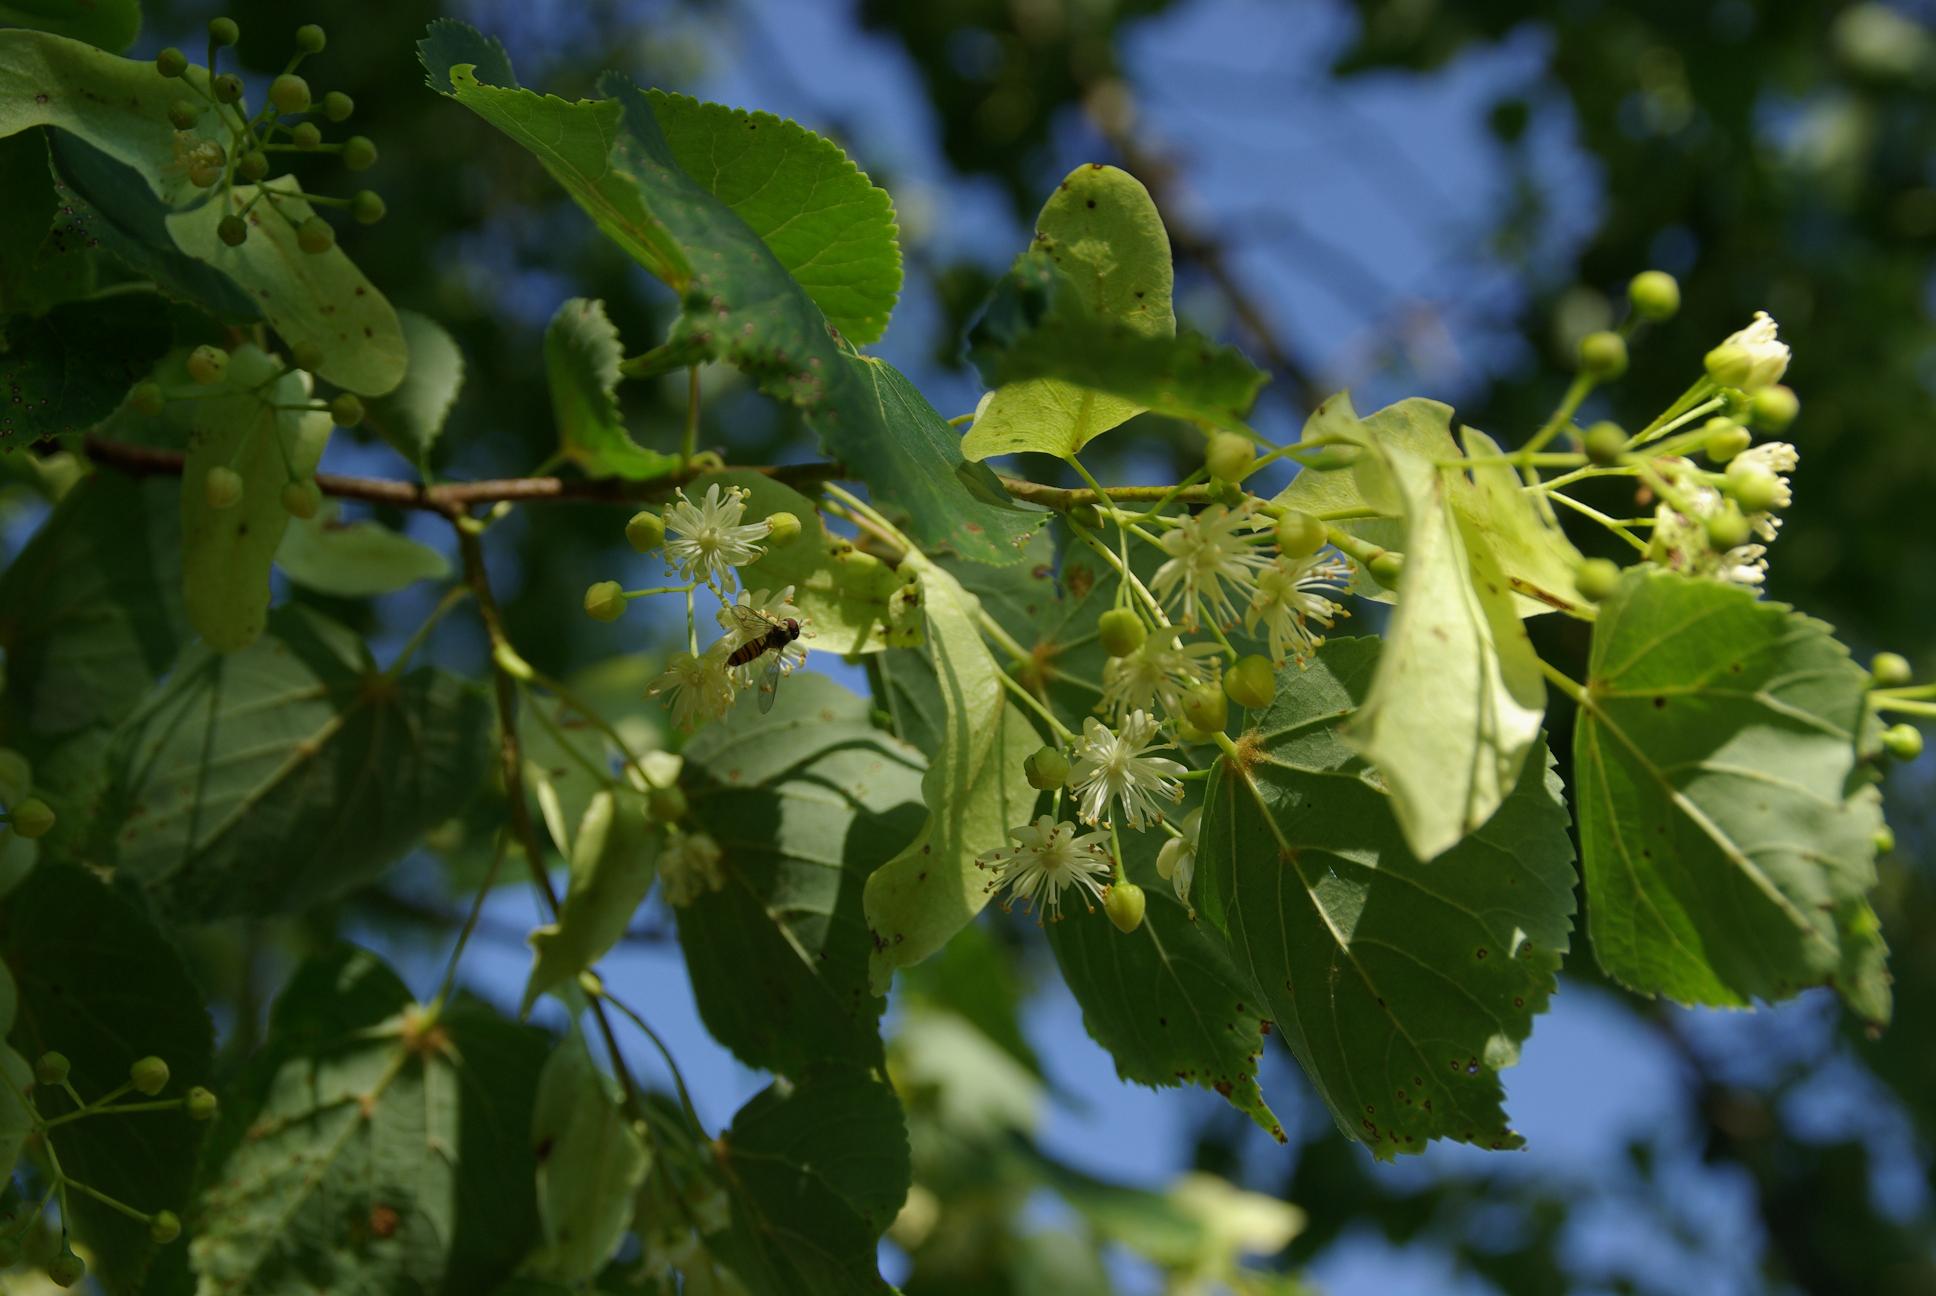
point(368, 207)
point(311, 39)
point(605, 601)
point(1596, 579)
point(31, 818)
point(232, 230)
point(148, 1075)
point(1754, 488)
point(1251, 682)
point(200, 1104)
point(222, 488)
point(1386, 568)
point(1890, 670)
point(171, 62)
point(66, 1269)
point(223, 31)
point(1655, 295)
point(306, 135)
point(302, 499)
point(646, 531)
point(782, 527)
point(1774, 407)
point(1046, 768)
point(1122, 632)
point(307, 355)
point(227, 88)
point(1229, 456)
point(164, 1227)
point(289, 93)
point(666, 804)
point(345, 409)
point(51, 1069)
point(1603, 355)
point(338, 106)
point(252, 165)
point(1727, 527)
point(183, 114)
point(1884, 839)
point(1125, 904)
point(1725, 439)
point(1605, 443)
point(207, 364)
point(359, 153)
point(147, 398)
point(1206, 708)
point(1903, 741)
point(1299, 535)
point(315, 236)
point(1729, 364)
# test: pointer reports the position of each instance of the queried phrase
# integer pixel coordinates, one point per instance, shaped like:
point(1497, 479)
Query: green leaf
point(1499, 517)
point(1459, 696)
point(412, 416)
point(16, 1118)
point(829, 226)
point(1402, 987)
point(974, 790)
point(65, 371)
point(1081, 336)
point(805, 804)
point(369, 1148)
point(1165, 999)
point(37, 268)
point(591, 1161)
point(1199, 1227)
point(613, 860)
point(98, 982)
point(582, 351)
point(279, 776)
point(227, 553)
point(355, 559)
point(818, 1167)
point(1728, 843)
point(568, 758)
point(110, 24)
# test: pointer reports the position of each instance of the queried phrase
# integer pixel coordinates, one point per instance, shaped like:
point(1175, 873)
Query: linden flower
point(1051, 856)
point(700, 688)
point(1158, 673)
point(1177, 860)
point(1207, 550)
point(1752, 358)
point(705, 541)
point(777, 608)
point(1113, 767)
point(1681, 542)
point(1291, 594)
point(1777, 459)
point(689, 867)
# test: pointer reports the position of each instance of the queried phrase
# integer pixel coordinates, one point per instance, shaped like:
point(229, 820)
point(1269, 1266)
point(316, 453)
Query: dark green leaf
point(110, 24)
point(582, 352)
point(613, 857)
point(411, 417)
point(37, 268)
point(591, 1161)
point(65, 371)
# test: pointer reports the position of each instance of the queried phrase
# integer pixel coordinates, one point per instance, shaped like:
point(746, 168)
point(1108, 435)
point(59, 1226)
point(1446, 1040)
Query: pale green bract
point(591, 1159)
point(354, 559)
point(614, 855)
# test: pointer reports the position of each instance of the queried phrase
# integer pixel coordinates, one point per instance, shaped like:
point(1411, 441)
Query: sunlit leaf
point(355, 559)
point(582, 352)
point(590, 1162)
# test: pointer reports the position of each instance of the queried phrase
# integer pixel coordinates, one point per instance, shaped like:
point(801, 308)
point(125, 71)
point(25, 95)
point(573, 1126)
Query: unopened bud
point(1655, 295)
point(1725, 439)
point(605, 601)
point(1125, 904)
point(1890, 670)
point(200, 1104)
point(1728, 527)
point(1603, 355)
point(1386, 568)
point(1121, 631)
point(1229, 456)
point(1903, 741)
point(782, 527)
point(1605, 443)
point(646, 531)
point(171, 62)
point(1206, 708)
point(51, 1069)
point(148, 1075)
point(1774, 407)
point(1299, 535)
point(1046, 769)
point(1596, 579)
point(222, 488)
point(1251, 682)
point(346, 409)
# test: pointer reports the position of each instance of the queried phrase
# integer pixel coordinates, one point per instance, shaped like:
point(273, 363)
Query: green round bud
point(1299, 535)
point(1884, 839)
point(51, 1069)
point(338, 106)
point(1227, 493)
point(359, 153)
point(223, 31)
point(183, 114)
point(164, 1227)
point(201, 1105)
point(204, 173)
point(782, 527)
point(16, 777)
point(1229, 456)
point(252, 165)
point(1730, 364)
point(289, 93)
point(1903, 741)
point(1603, 355)
point(222, 488)
point(1725, 439)
point(315, 236)
point(646, 531)
point(605, 601)
point(368, 207)
point(306, 135)
point(345, 409)
point(1596, 579)
point(1655, 295)
point(232, 230)
point(1251, 682)
point(1754, 488)
point(307, 355)
point(1890, 670)
point(1046, 768)
point(227, 88)
point(1774, 407)
point(1125, 904)
point(303, 499)
point(31, 818)
point(66, 1269)
point(171, 62)
point(1122, 632)
point(1206, 708)
point(147, 398)
point(1386, 568)
point(148, 1075)
point(1605, 443)
point(311, 39)
point(666, 804)
point(208, 364)
point(1728, 528)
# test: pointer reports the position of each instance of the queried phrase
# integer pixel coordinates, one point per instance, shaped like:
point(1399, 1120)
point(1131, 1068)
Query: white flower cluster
point(701, 688)
point(1682, 539)
point(707, 540)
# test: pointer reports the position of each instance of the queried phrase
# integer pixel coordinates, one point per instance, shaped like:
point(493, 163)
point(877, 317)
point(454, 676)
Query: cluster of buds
point(25, 815)
point(289, 121)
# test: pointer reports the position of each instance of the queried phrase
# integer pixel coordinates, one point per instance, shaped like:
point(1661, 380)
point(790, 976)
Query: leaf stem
point(470, 921)
point(1014, 686)
point(1563, 682)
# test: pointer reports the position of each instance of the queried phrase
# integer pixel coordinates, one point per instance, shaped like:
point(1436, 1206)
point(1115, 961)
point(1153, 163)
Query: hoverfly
point(762, 634)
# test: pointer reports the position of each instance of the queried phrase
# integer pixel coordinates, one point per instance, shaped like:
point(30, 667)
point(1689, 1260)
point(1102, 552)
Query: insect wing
point(752, 623)
point(770, 679)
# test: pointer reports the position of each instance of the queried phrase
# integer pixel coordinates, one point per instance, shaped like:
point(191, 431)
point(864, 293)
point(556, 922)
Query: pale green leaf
point(805, 803)
point(591, 1161)
point(1511, 524)
point(582, 351)
point(272, 778)
point(1728, 843)
point(412, 416)
point(355, 559)
point(570, 758)
point(949, 1069)
point(613, 859)
point(369, 1149)
point(1402, 987)
point(110, 24)
point(974, 790)
point(831, 228)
